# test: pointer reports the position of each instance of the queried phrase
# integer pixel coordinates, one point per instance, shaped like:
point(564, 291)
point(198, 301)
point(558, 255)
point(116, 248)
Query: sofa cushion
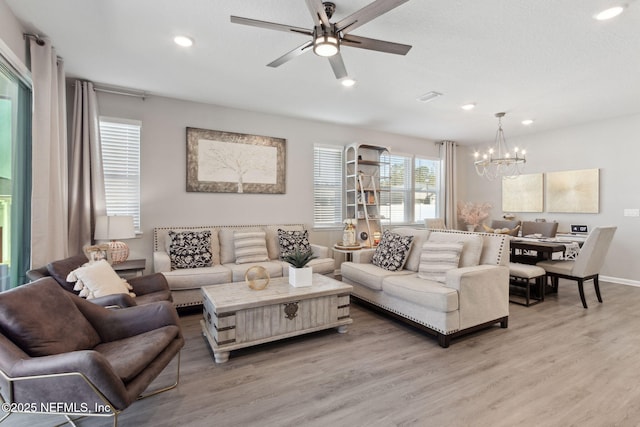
point(274, 268)
point(426, 293)
point(130, 356)
point(98, 279)
point(419, 237)
point(437, 258)
point(273, 246)
point(250, 246)
point(471, 251)
point(291, 240)
point(164, 241)
point(195, 278)
point(190, 249)
point(368, 275)
point(225, 237)
point(391, 253)
point(59, 270)
point(42, 320)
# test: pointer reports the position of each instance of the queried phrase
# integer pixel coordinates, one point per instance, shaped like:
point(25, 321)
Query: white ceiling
point(540, 59)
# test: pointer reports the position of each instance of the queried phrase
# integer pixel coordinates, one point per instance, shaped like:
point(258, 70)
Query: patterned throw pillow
point(289, 241)
point(392, 251)
point(437, 258)
point(250, 246)
point(190, 249)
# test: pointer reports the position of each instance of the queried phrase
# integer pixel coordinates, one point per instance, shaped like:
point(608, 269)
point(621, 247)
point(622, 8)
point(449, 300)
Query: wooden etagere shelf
point(367, 194)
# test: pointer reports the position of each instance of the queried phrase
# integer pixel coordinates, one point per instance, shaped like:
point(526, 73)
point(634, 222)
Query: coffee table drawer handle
point(291, 310)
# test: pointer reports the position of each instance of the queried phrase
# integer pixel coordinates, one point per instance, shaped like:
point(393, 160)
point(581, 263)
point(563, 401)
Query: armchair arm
point(115, 300)
point(147, 284)
point(80, 366)
point(161, 262)
point(483, 293)
point(113, 325)
point(320, 251)
point(363, 256)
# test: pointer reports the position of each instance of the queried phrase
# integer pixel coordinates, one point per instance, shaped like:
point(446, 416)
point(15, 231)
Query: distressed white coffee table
point(236, 316)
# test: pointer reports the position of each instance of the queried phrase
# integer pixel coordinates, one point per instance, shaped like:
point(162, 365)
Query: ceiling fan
point(327, 37)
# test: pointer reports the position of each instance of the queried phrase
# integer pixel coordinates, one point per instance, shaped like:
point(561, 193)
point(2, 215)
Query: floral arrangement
point(473, 213)
point(350, 221)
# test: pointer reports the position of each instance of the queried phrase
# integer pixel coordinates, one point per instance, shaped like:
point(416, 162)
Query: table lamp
point(114, 228)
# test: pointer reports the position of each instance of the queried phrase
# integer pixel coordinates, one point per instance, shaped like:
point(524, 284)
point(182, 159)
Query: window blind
point(327, 185)
point(120, 141)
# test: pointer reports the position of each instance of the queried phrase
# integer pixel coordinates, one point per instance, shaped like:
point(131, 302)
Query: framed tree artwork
point(228, 162)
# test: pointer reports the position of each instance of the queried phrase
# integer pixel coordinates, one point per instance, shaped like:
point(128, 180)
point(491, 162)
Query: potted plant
point(299, 274)
point(473, 213)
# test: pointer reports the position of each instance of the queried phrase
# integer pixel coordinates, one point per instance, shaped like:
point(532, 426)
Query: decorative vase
point(471, 227)
point(300, 277)
point(349, 235)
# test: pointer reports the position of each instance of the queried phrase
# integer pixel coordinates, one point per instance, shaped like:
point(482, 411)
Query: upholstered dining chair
point(60, 354)
point(587, 263)
point(503, 224)
point(546, 229)
point(435, 224)
point(149, 288)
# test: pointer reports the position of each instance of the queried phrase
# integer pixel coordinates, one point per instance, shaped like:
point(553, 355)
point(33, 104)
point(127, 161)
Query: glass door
point(15, 180)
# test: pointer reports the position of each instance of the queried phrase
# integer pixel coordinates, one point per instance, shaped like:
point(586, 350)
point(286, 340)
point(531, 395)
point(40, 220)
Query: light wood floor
point(556, 365)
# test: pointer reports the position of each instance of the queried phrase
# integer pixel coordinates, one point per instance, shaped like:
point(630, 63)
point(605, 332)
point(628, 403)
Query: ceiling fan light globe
point(325, 46)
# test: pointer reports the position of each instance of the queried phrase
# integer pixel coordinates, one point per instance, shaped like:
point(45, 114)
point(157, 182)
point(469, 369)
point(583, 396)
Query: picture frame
point(98, 253)
point(228, 162)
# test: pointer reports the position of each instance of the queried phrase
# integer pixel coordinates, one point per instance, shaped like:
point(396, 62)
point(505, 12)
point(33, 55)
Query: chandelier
point(499, 161)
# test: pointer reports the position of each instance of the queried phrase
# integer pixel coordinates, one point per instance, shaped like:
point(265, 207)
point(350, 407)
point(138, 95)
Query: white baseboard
point(620, 281)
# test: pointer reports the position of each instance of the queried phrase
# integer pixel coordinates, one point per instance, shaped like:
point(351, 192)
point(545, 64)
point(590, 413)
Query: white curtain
point(49, 157)
point(448, 155)
point(86, 177)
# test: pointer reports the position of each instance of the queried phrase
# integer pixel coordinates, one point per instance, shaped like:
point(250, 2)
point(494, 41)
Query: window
point(327, 186)
point(414, 189)
point(15, 173)
point(121, 164)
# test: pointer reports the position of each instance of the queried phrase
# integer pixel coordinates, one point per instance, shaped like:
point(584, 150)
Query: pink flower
point(473, 213)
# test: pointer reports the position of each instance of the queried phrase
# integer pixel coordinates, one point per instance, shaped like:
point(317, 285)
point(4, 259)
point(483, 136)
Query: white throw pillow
point(437, 258)
point(98, 279)
point(250, 246)
point(472, 250)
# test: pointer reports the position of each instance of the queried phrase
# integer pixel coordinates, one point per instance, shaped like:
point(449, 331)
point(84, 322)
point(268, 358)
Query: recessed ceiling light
point(527, 122)
point(348, 82)
point(612, 12)
point(469, 106)
point(183, 41)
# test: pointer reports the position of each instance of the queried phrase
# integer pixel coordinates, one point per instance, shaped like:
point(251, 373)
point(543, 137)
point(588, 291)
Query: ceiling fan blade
point(290, 55)
point(366, 14)
point(373, 44)
point(318, 13)
point(270, 25)
point(338, 66)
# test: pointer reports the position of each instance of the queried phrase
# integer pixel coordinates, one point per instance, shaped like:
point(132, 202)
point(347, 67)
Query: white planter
point(300, 277)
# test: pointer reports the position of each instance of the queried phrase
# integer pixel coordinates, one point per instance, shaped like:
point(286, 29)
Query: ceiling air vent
point(429, 96)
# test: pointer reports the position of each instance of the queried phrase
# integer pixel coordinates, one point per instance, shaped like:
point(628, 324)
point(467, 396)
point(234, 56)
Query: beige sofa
point(475, 295)
point(185, 283)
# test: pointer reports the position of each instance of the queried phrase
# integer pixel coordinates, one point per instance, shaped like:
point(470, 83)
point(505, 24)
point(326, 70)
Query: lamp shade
point(114, 228)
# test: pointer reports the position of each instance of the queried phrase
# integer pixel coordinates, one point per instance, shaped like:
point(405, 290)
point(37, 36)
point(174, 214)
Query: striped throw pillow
point(250, 246)
point(437, 258)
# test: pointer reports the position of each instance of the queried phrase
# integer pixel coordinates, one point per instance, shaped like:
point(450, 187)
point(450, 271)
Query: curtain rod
point(39, 40)
point(118, 91)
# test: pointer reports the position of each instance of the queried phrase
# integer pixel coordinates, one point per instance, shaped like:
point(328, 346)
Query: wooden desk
point(544, 250)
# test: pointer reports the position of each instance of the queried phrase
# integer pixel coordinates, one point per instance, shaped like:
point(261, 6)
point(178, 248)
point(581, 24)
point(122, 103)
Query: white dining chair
point(586, 265)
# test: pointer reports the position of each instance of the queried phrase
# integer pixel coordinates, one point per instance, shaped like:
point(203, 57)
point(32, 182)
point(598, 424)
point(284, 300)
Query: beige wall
point(11, 32)
point(165, 201)
point(609, 145)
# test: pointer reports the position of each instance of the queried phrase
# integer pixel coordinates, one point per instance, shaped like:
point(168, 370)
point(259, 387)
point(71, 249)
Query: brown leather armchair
point(149, 288)
point(56, 347)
